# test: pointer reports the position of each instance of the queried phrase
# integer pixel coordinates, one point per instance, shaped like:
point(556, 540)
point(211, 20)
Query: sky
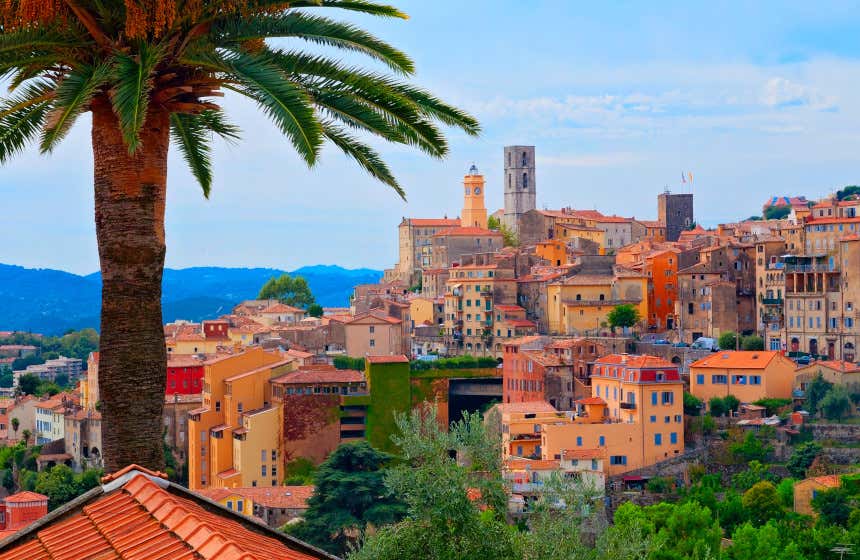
point(619, 98)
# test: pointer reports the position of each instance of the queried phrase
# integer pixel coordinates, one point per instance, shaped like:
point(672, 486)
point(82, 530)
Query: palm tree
point(148, 72)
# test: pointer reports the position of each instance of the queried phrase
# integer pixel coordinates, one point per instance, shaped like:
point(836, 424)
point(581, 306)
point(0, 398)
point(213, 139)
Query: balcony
point(816, 267)
point(628, 406)
point(771, 301)
point(486, 293)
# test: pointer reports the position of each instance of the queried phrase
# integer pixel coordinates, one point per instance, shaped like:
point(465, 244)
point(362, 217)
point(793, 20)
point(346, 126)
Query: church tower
point(520, 184)
point(474, 212)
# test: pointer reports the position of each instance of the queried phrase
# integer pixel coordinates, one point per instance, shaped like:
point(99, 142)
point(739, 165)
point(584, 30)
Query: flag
point(691, 176)
point(683, 178)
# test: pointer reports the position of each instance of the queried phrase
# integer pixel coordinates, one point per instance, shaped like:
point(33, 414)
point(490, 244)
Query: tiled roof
point(739, 359)
point(520, 323)
point(434, 222)
point(593, 401)
point(531, 464)
point(467, 232)
point(544, 359)
point(844, 367)
point(829, 480)
point(583, 453)
point(374, 315)
point(588, 280)
point(146, 518)
point(526, 407)
point(282, 308)
point(287, 497)
point(635, 362)
point(320, 375)
point(25, 497)
point(397, 359)
point(509, 308)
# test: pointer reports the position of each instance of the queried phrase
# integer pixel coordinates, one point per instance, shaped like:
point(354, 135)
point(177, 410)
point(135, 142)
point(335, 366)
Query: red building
point(184, 375)
point(21, 509)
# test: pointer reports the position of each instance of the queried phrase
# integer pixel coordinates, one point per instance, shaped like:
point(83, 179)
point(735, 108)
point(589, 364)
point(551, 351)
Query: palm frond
point(215, 122)
point(364, 155)
point(22, 118)
point(285, 102)
point(362, 6)
point(190, 134)
point(72, 98)
point(320, 30)
point(41, 39)
point(130, 96)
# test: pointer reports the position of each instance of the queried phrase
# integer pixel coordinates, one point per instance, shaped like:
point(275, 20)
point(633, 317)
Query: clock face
point(477, 190)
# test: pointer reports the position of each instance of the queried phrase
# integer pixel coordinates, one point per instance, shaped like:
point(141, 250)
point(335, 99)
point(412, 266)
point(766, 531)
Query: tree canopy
point(288, 290)
point(624, 315)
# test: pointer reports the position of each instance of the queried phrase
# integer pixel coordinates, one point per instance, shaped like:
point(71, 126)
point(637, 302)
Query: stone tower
point(474, 212)
point(520, 184)
point(676, 212)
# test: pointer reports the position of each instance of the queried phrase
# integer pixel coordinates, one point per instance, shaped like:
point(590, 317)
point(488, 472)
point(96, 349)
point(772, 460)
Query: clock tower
point(474, 212)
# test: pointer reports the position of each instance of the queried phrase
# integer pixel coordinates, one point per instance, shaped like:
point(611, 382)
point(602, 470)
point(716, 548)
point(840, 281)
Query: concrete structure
point(676, 212)
point(747, 375)
point(520, 185)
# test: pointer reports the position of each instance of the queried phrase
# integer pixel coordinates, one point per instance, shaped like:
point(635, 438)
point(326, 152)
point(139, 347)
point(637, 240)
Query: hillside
point(52, 301)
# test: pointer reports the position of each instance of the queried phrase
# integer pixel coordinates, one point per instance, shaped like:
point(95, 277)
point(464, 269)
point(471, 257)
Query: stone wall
point(841, 433)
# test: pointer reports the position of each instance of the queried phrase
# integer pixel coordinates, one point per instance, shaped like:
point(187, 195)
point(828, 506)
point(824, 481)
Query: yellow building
point(274, 506)
point(581, 303)
point(748, 375)
point(635, 416)
point(427, 310)
point(474, 211)
point(553, 251)
point(235, 387)
point(835, 372)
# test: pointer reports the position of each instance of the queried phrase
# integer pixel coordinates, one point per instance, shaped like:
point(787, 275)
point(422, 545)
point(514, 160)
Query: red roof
point(287, 497)
point(582, 453)
point(467, 231)
point(592, 400)
point(398, 359)
point(434, 222)
point(24, 497)
point(636, 362)
point(320, 375)
point(144, 519)
point(282, 308)
point(509, 308)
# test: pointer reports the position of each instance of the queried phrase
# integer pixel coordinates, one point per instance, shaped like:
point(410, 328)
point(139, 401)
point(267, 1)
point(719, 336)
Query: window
point(525, 180)
point(372, 329)
point(719, 380)
point(673, 438)
point(274, 454)
point(755, 379)
point(653, 419)
point(217, 406)
point(579, 441)
point(240, 505)
point(263, 470)
point(372, 343)
point(230, 504)
point(700, 379)
point(654, 398)
point(658, 439)
point(739, 380)
point(668, 397)
point(239, 408)
point(618, 460)
point(601, 441)
point(667, 419)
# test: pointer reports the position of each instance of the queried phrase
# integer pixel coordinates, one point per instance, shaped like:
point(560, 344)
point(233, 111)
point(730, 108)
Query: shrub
point(659, 485)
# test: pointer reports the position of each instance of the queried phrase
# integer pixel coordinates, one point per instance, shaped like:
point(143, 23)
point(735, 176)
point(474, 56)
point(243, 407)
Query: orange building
point(474, 211)
point(748, 375)
point(661, 267)
point(805, 490)
point(635, 415)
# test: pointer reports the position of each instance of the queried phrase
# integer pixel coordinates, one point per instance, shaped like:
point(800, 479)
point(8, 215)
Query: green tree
point(688, 531)
point(509, 236)
point(833, 506)
point(732, 403)
point(750, 448)
point(493, 223)
point(717, 406)
point(773, 406)
point(762, 502)
point(444, 496)
point(148, 80)
point(15, 425)
point(28, 383)
point(776, 212)
point(762, 543)
point(349, 495)
point(752, 342)
point(288, 290)
point(801, 459)
point(315, 310)
point(692, 405)
point(836, 404)
point(849, 191)
point(624, 315)
point(728, 340)
point(6, 378)
point(785, 489)
point(756, 472)
point(815, 392)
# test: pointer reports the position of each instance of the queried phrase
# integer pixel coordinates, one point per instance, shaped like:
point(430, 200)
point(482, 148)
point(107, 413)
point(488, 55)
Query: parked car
point(803, 360)
point(706, 343)
point(661, 341)
point(681, 345)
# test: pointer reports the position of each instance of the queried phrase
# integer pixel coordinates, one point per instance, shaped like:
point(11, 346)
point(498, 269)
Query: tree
point(762, 502)
point(509, 236)
point(688, 531)
point(455, 508)
point(846, 192)
point(288, 290)
point(349, 495)
point(7, 379)
point(815, 392)
point(762, 543)
point(493, 223)
point(752, 342)
point(717, 406)
point(836, 404)
point(15, 425)
point(785, 489)
point(28, 383)
point(776, 212)
point(732, 403)
point(692, 405)
point(756, 472)
point(61, 484)
point(624, 315)
point(751, 448)
point(832, 506)
point(802, 458)
point(728, 340)
point(315, 310)
point(148, 71)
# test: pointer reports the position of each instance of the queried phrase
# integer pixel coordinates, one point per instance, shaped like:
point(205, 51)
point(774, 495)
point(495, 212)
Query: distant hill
point(52, 301)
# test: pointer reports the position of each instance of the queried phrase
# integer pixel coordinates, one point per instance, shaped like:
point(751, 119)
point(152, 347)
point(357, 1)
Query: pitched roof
point(636, 362)
point(24, 497)
point(282, 308)
point(467, 232)
point(592, 400)
point(287, 497)
point(517, 464)
point(140, 516)
point(320, 375)
point(509, 308)
point(396, 359)
point(583, 454)
point(434, 222)
point(526, 407)
point(837, 365)
point(737, 359)
point(380, 317)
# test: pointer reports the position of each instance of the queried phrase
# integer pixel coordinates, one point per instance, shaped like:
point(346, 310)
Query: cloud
point(780, 92)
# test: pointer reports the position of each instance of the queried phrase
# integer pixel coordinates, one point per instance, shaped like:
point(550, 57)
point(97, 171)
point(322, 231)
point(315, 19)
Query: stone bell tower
point(520, 184)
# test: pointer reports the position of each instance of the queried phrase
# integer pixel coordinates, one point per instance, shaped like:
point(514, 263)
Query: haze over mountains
point(52, 301)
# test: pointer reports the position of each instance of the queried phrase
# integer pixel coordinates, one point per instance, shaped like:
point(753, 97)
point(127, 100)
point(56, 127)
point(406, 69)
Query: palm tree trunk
point(130, 193)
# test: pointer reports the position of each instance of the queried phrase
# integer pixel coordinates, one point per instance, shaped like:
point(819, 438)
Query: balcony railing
point(822, 267)
point(772, 301)
point(628, 405)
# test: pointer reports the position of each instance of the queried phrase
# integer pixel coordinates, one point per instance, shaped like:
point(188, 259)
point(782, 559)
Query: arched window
point(525, 160)
point(525, 180)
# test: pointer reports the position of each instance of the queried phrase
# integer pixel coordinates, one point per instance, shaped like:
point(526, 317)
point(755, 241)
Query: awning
point(633, 479)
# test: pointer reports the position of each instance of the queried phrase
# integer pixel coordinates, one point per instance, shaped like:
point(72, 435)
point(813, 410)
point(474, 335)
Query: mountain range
point(53, 301)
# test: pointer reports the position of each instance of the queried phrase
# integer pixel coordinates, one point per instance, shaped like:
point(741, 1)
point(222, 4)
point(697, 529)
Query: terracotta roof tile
point(583, 453)
point(531, 464)
point(592, 401)
point(282, 308)
point(434, 222)
point(320, 375)
point(467, 232)
point(740, 359)
point(23, 497)
point(398, 359)
point(636, 362)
